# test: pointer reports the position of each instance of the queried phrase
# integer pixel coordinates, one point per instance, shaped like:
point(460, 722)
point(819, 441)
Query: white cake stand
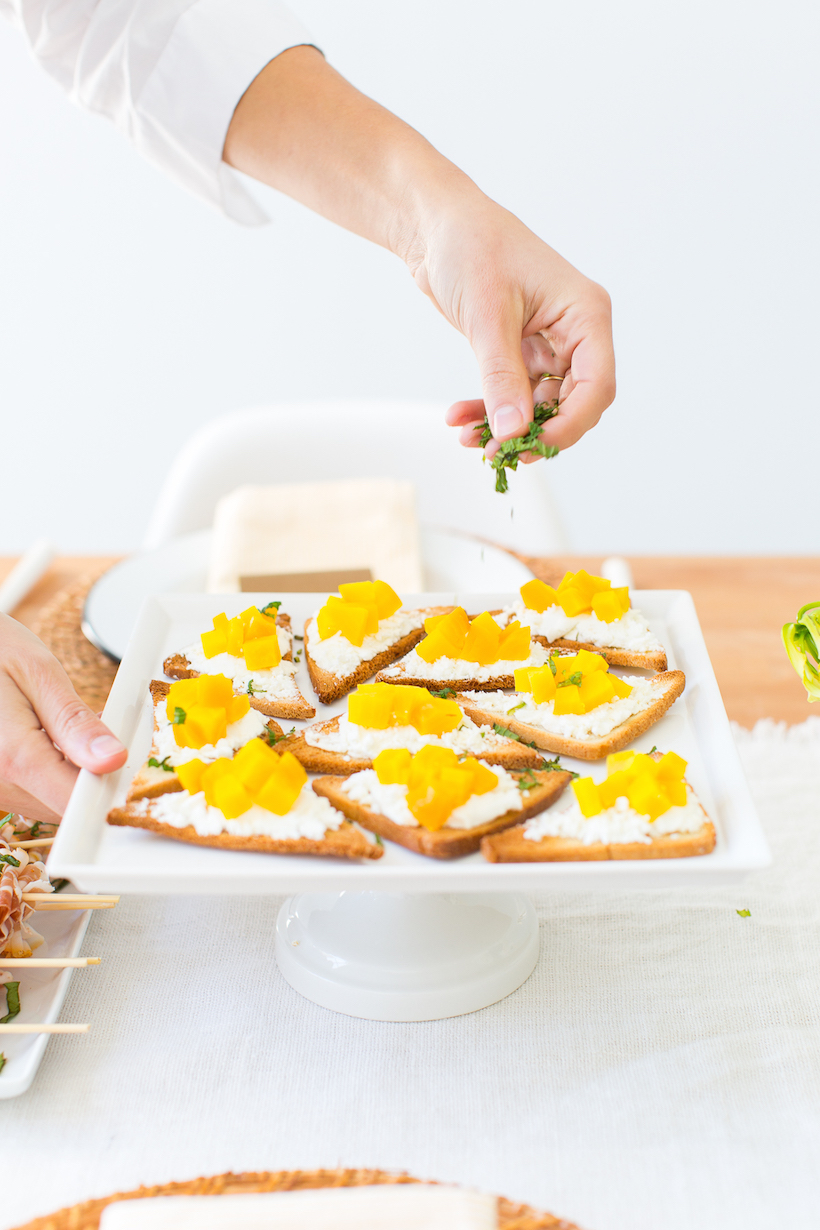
point(402, 937)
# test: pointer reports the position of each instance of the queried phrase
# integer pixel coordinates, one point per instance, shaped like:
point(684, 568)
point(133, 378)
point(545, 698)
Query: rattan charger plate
point(59, 627)
point(86, 1216)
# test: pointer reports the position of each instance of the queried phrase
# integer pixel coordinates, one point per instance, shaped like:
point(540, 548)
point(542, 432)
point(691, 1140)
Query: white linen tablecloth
point(661, 1067)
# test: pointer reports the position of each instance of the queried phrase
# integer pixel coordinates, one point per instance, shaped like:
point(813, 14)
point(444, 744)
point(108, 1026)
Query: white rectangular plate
point(42, 992)
point(102, 858)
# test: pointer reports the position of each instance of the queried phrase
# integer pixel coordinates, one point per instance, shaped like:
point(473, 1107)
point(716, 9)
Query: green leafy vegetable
point(744, 913)
point(801, 640)
point(12, 1002)
point(509, 452)
point(520, 705)
point(160, 764)
point(266, 609)
point(443, 693)
point(527, 781)
point(10, 859)
point(505, 732)
point(179, 716)
point(555, 766)
point(573, 680)
point(273, 738)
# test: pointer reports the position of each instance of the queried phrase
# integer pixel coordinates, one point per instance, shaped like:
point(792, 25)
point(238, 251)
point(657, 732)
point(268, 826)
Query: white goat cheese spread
point(413, 667)
point(237, 735)
point(391, 801)
point(310, 816)
point(631, 631)
point(593, 725)
point(275, 684)
point(353, 740)
point(338, 656)
point(616, 824)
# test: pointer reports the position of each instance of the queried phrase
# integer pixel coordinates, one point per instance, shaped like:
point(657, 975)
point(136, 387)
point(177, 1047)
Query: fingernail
point(506, 420)
point(104, 746)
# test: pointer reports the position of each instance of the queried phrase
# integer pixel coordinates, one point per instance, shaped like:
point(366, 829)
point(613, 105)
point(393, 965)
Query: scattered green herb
point(161, 764)
point(801, 640)
point(12, 1002)
point(2, 1062)
point(443, 693)
point(520, 705)
point(273, 738)
point(510, 451)
point(552, 664)
point(252, 690)
point(571, 681)
point(505, 732)
point(59, 885)
point(6, 818)
point(10, 859)
point(527, 781)
point(266, 609)
point(555, 766)
point(298, 657)
point(297, 637)
point(179, 716)
point(744, 913)
point(654, 749)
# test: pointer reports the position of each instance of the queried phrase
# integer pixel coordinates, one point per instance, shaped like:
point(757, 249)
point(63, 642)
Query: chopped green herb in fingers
point(12, 1002)
point(509, 452)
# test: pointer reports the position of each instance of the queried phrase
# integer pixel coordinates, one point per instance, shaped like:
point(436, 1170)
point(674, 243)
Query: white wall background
point(670, 151)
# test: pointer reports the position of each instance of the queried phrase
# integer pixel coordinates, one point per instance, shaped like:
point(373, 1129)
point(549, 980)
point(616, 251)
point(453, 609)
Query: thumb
point(505, 382)
point(70, 724)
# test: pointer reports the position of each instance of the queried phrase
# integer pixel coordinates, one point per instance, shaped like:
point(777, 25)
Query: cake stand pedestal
point(406, 956)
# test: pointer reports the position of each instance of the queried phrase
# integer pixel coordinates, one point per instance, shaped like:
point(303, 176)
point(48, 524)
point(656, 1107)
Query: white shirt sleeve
point(169, 73)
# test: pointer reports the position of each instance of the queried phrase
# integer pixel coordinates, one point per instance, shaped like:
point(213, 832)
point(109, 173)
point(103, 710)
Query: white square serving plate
point(98, 857)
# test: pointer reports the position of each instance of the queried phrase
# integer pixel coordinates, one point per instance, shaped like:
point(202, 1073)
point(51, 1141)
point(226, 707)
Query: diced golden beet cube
point(431, 622)
point(596, 689)
point(253, 765)
point(588, 585)
point(393, 766)
point(259, 625)
point(566, 581)
point(644, 765)
point(432, 808)
point(607, 606)
point(205, 725)
point(371, 626)
point(371, 709)
point(446, 637)
point(214, 642)
point(406, 702)
point(483, 640)
point(215, 691)
point(183, 735)
point(586, 792)
point(344, 617)
point(565, 666)
point(247, 615)
point(290, 770)
point(386, 599)
point(377, 594)
point(230, 796)
point(283, 787)
point(523, 676)
point(568, 700)
point(622, 689)
point(237, 707)
point(623, 594)
point(537, 596)
point(190, 775)
point(515, 643)
point(211, 775)
point(236, 637)
point(326, 622)
point(181, 694)
point(589, 662)
point(438, 717)
point(646, 798)
point(220, 622)
point(543, 686)
point(429, 762)
point(263, 654)
point(433, 647)
point(618, 761)
point(675, 792)
point(671, 767)
point(615, 786)
point(483, 779)
point(454, 626)
point(572, 602)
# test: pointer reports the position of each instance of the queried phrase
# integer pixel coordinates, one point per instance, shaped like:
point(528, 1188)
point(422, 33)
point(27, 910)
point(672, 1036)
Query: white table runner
point(660, 1068)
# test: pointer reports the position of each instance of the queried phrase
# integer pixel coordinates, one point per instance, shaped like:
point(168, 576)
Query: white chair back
point(324, 440)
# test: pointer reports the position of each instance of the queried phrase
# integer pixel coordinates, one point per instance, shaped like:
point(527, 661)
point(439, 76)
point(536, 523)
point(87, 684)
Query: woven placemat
point(87, 1216)
point(59, 627)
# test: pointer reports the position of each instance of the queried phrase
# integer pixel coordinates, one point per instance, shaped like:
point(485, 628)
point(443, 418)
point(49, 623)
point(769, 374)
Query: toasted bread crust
point(330, 687)
point(512, 847)
point(655, 661)
point(178, 667)
point(669, 684)
point(344, 842)
point(444, 843)
point(149, 782)
point(498, 683)
point(319, 760)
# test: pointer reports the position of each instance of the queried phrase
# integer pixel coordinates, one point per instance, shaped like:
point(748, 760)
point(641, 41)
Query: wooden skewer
point(44, 1029)
point(84, 898)
point(47, 962)
point(32, 845)
point(45, 905)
